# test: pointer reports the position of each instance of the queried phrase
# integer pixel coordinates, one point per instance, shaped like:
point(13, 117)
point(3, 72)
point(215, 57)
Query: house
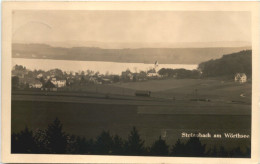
point(58, 83)
point(61, 83)
point(49, 86)
point(127, 75)
point(240, 77)
point(94, 80)
point(35, 84)
point(153, 74)
point(106, 81)
point(39, 75)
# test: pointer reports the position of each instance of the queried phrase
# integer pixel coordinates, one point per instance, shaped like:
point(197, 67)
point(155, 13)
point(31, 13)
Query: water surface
point(96, 66)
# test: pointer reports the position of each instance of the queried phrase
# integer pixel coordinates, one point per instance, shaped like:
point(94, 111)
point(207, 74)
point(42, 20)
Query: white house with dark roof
point(240, 77)
point(58, 83)
point(35, 84)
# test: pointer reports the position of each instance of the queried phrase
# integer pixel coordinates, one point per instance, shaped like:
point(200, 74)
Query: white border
point(194, 6)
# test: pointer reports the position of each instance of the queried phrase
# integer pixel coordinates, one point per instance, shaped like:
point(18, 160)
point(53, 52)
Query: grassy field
point(89, 119)
point(213, 89)
point(89, 111)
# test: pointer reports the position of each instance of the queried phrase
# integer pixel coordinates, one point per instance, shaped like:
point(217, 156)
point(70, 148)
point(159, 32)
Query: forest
point(53, 140)
point(228, 65)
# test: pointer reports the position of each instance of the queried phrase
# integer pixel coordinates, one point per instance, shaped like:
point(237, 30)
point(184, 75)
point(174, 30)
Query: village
point(56, 79)
point(51, 80)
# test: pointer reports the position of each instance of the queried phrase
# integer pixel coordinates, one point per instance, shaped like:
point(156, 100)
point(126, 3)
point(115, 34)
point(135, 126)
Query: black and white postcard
point(116, 82)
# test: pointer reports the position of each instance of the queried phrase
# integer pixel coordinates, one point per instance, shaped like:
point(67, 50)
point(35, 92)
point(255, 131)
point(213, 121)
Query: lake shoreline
point(103, 67)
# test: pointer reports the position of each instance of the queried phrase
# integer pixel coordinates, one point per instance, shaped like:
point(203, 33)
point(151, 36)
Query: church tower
point(156, 66)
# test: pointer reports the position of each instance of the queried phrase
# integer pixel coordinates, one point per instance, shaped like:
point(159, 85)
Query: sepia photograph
point(150, 83)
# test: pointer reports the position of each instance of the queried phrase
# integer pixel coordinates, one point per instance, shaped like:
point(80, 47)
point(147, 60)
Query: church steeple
point(156, 65)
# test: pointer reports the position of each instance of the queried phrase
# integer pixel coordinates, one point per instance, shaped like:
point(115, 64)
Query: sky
point(131, 26)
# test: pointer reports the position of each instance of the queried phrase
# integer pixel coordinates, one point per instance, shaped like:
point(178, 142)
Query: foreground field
point(168, 113)
point(90, 118)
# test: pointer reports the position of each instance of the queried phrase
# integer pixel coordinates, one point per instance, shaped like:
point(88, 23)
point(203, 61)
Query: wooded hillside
point(228, 65)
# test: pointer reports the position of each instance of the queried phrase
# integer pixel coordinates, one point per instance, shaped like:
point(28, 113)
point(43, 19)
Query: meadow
point(211, 88)
point(88, 113)
point(89, 120)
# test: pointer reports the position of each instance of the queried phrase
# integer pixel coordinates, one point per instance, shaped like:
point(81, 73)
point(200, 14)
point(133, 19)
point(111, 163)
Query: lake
point(97, 66)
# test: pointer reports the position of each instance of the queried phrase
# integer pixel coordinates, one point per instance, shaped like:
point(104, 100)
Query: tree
point(42, 80)
point(213, 152)
point(118, 145)
point(56, 72)
point(96, 74)
point(71, 147)
point(82, 81)
point(236, 152)
point(222, 152)
point(15, 82)
point(142, 75)
point(125, 75)
point(160, 148)
point(23, 142)
point(116, 78)
point(248, 152)
point(164, 72)
point(82, 146)
point(179, 149)
point(152, 70)
point(103, 144)
point(195, 148)
point(57, 139)
point(82, 73)
point(19, 68)
point(179, 73)
point(41, 141)
point(90, 73)
point(135, 145)
point(228, 65)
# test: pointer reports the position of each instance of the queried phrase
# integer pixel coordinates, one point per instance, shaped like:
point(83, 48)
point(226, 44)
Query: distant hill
point(228, 65)
point(136, 45)
point(138, 55)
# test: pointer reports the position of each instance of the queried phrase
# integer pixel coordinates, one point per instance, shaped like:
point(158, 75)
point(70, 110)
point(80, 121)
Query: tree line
point(228, 65)
point(53, 140)
point(180, 73)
